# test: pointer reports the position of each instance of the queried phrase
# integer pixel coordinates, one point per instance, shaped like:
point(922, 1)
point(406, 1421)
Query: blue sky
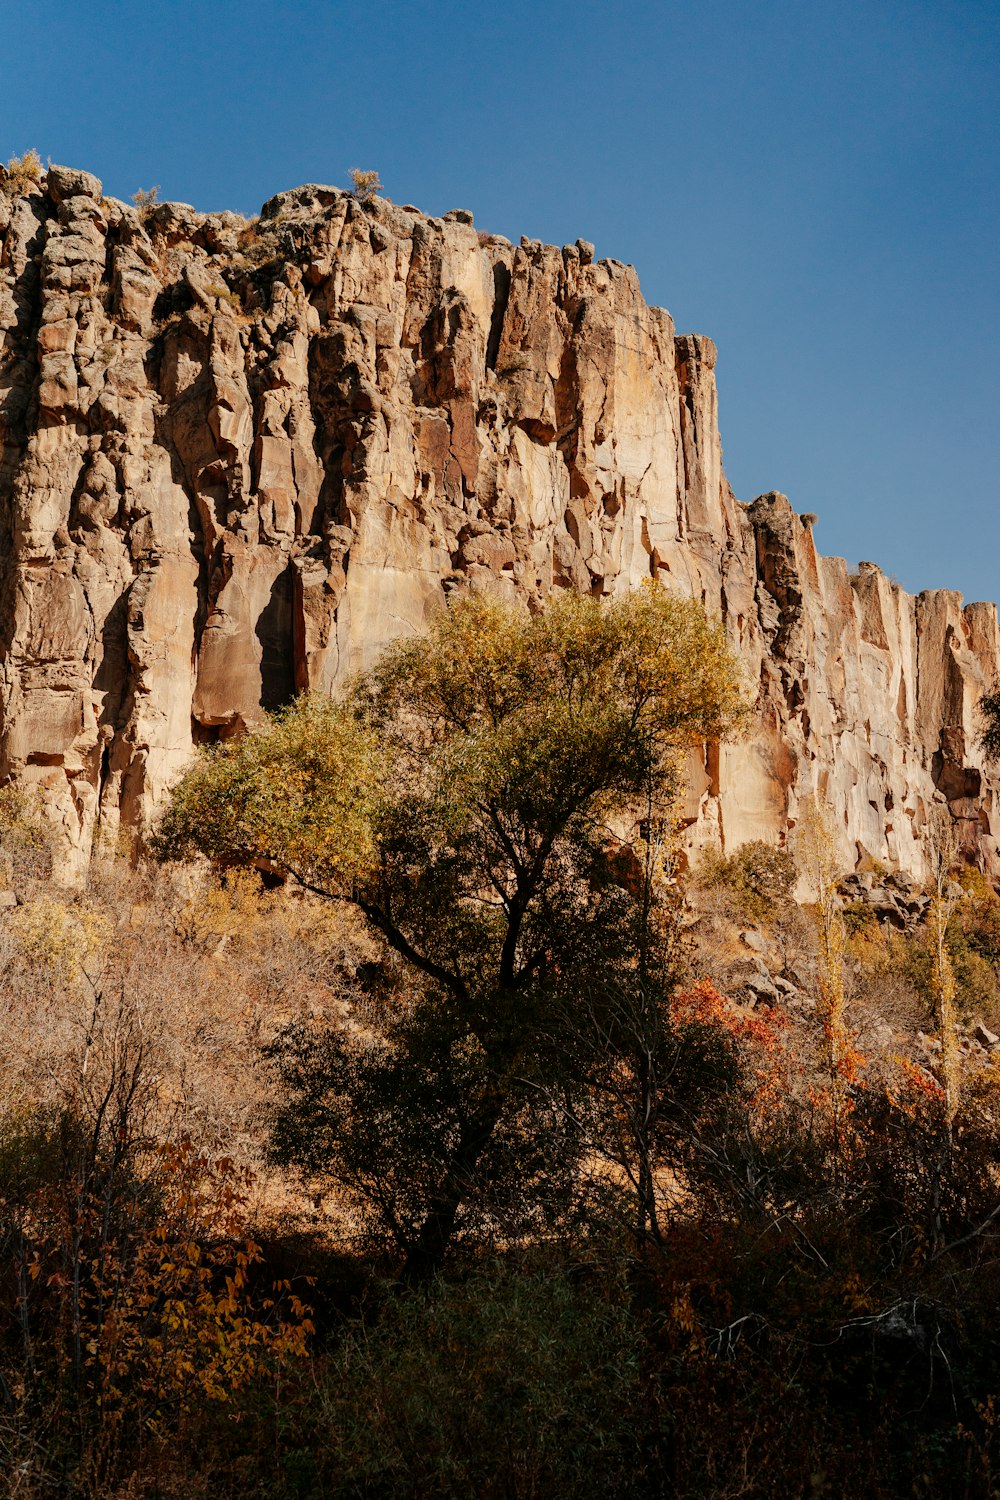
point(813, 185)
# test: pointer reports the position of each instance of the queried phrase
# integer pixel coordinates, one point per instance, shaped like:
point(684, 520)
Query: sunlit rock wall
point(238, 458)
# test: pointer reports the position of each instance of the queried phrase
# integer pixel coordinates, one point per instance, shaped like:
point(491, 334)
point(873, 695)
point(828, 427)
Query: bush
point(25, 851)
point(134, 1299)
point(505, 1384)
point(145, 200)
point(258, 242)
point(978, 915)
point(891, 970)
point(859, 918)
point(226, 295)
point(975, 977)
point(22, 173)
point(760, 877)
point(365, 185)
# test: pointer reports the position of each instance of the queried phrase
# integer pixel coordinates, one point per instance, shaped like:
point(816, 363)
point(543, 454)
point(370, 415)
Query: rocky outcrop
point(238, 457)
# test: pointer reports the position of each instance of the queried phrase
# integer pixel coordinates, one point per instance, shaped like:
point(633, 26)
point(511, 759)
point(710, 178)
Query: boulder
point(804, 975)
point(749, 980)
point(70, 182)
point(754, 940)
point(887, 906)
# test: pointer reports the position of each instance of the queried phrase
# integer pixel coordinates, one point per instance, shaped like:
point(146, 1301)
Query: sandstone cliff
point(238, 457)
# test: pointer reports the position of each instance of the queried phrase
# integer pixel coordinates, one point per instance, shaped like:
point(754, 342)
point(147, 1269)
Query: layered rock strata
point(239, 457)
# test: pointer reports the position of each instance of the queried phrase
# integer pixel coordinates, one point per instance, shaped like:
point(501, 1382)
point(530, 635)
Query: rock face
point(237, 458)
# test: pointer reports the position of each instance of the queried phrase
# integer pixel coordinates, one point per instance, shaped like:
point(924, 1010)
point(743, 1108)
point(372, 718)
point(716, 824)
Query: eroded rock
point(238, 458)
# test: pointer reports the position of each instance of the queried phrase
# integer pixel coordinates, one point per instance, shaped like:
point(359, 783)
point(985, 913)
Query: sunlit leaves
point(302, 793)
point(481, 797)
point(448, 790)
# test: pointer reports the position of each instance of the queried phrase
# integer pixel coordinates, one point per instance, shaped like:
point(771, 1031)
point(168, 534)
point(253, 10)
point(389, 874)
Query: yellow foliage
point(879, 951)
point(235, 906)
point(56, 939)
point(22, 836)
point(976, 886)
point(189, 1327)
point(303, 792)
point(22, 174)
point(365, 185)
point(165, 1315)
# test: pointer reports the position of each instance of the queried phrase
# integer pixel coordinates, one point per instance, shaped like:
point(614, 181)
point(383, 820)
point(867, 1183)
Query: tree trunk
point(428, 1250)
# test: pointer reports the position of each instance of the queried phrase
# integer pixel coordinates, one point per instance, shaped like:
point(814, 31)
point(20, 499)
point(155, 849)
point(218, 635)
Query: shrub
point(136, 1298)
point(145, 200)
point(510, 1383)
point(891, 970)
point(365, 185)
point(25, 852)
point(977, 983)
point(22, 174)
point(760, 877)
point(230, 298)
point(859, 917)
point(989, 714)
point(257, 241)
point(978, 915)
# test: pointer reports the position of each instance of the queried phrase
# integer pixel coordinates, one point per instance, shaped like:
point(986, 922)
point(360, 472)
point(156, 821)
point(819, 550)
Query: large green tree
point(483, 798)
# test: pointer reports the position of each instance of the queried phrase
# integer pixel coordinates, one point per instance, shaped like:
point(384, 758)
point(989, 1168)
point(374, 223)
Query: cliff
point(238, 457)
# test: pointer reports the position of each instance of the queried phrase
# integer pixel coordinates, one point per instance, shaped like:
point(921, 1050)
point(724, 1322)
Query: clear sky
point(814, 185)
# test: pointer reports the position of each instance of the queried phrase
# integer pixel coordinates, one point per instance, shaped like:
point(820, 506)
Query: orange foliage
point(757, 1033)
point(848, 1061)
point(911, 1087)
point(152, 1319)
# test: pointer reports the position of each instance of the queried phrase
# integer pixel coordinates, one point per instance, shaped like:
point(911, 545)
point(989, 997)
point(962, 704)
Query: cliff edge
point(237, 457)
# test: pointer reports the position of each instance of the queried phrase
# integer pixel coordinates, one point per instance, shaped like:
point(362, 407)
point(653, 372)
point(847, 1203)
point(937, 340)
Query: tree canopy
point(478, 797)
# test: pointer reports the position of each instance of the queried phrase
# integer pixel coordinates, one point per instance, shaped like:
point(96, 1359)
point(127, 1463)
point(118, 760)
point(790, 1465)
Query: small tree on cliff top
point(461, 798)
point(364, 185)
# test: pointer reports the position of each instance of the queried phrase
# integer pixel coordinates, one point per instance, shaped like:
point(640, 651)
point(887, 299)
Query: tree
point(478, 798)
point(819, 861)
point(989, 712)
point(365, 184)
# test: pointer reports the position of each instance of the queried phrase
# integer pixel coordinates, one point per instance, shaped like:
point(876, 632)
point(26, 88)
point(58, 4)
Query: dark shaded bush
point(502, 1384)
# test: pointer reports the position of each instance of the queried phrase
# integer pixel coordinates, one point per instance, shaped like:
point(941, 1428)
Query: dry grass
point(22, 174)
point(195, 974)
